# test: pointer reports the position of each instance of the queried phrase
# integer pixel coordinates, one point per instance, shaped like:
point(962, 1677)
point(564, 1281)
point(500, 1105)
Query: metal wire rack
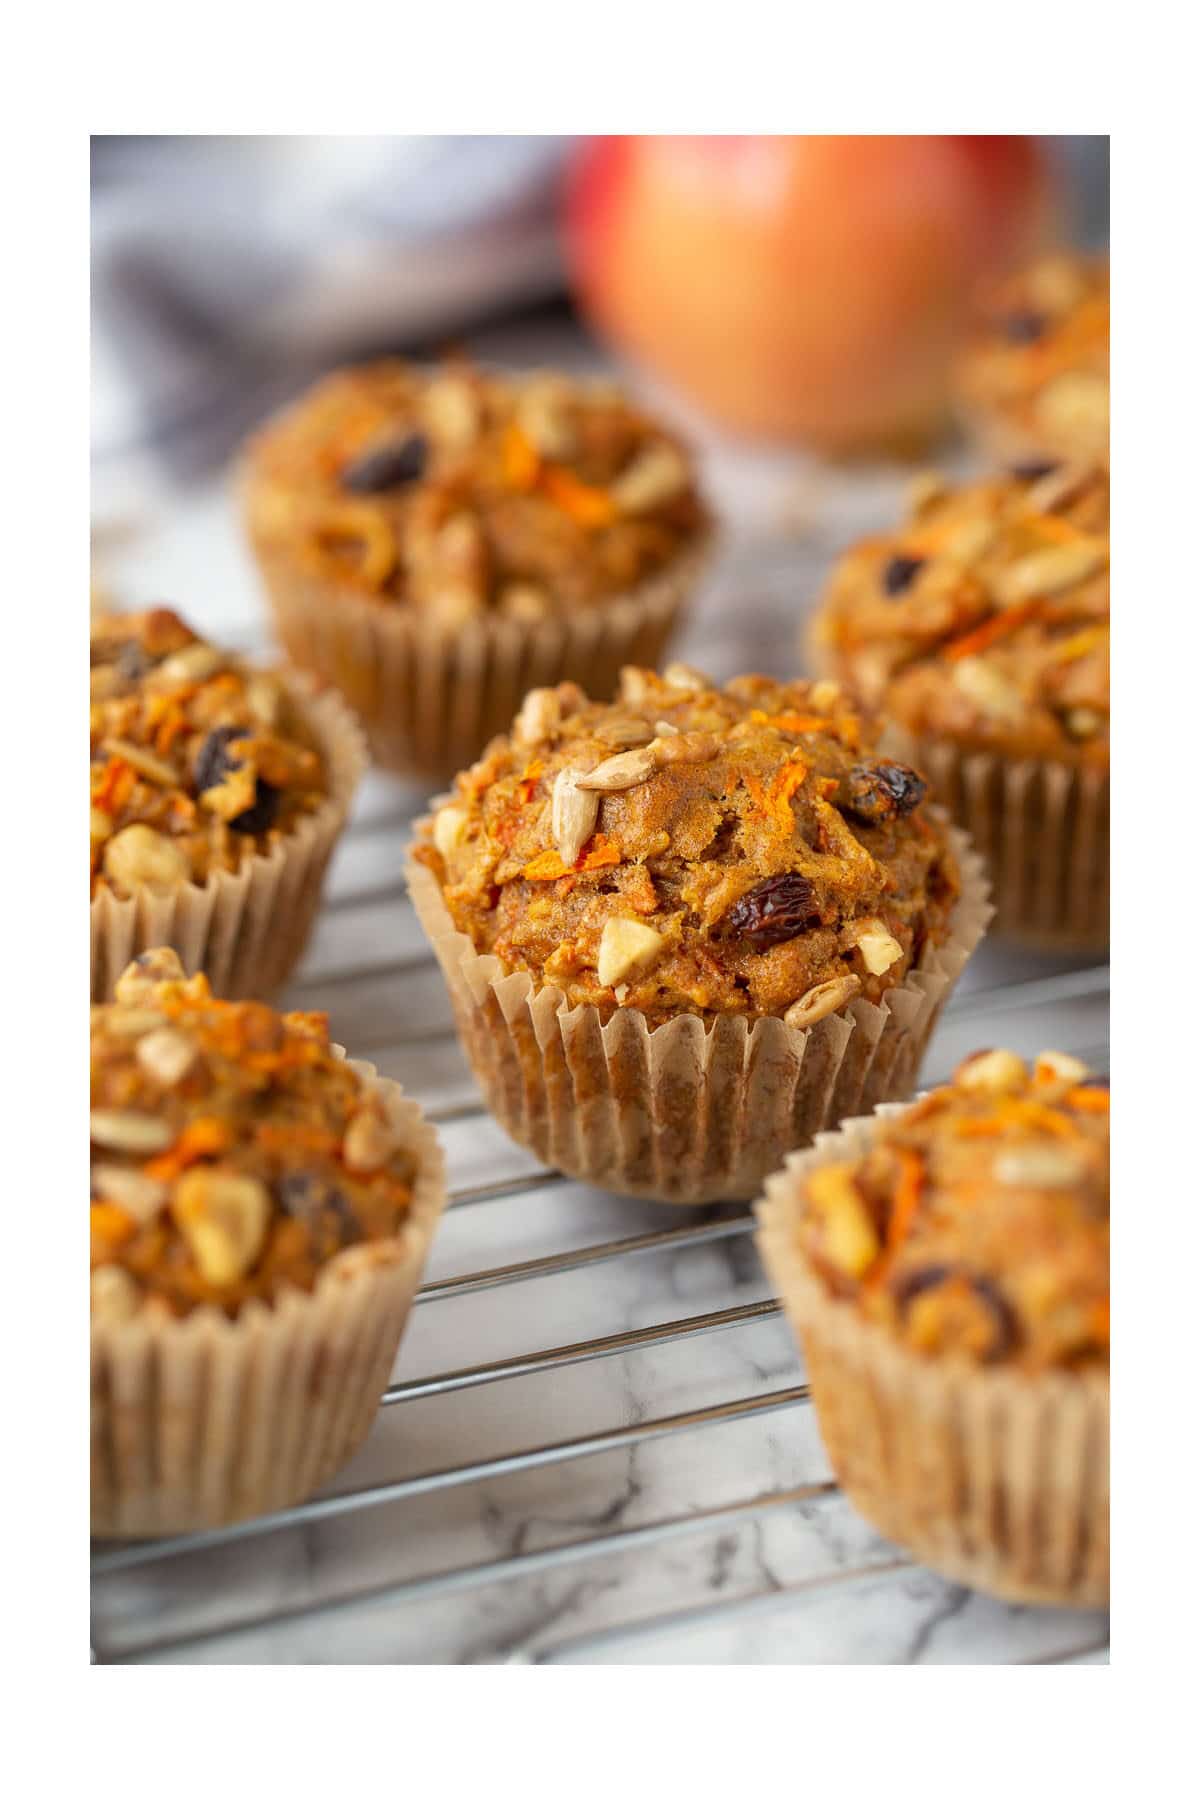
point(360, 1583)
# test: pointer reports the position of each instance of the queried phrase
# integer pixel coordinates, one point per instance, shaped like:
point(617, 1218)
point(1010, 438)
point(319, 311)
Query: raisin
point(214, 762)
point(393, 464)
point(899, 572)
point(1033, 470)
point(1024, 327)
point(132, 661)
point(321, 1206)
point(262, 812)
point(876, 792)
point(777, 909)
point(1005, 1330)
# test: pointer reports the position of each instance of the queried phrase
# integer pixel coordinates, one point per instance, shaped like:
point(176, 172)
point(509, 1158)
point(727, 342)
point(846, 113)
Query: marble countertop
point(624, 1487)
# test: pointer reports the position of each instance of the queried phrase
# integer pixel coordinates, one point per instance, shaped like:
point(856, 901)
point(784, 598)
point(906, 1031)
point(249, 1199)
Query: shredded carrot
point(173, 724)
point(1085, 1099)
point(1012, 1112)
point(1001, 625)
point(110, 1224)
point(106, 795)
point(789, 778)
point(905, 1201)
point(529, 780)
point(203, 1137)
point(549, 866)
point(794, 721)
point(519, 459)
point(588, 506)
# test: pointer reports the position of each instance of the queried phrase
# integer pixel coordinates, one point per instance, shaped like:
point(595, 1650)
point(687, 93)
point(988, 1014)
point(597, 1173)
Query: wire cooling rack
point(598, 1446)
point(537, 1567)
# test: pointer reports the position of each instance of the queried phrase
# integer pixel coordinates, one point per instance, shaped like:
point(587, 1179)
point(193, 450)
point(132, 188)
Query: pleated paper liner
point(201, 1421)
point(684, 1113)
point(996, 1478)
point(432, 696)
point(1041, 827)
point(247, 928)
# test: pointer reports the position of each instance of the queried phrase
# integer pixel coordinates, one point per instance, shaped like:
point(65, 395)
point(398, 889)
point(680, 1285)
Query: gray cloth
point(226, 270)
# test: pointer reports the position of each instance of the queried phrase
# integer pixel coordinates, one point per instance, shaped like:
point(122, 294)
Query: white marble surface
point(683, 1545)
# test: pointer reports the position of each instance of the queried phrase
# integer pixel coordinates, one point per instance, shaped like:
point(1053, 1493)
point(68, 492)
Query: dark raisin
point(1024, 327)
point(390, 465)
point(899, 572)
point(876, 792)
point(132, 661)
point(321, 1206)
point(262, 812)
point(214, 762)
point(1005, 1330)
point(777, 909)
point(1033, 470)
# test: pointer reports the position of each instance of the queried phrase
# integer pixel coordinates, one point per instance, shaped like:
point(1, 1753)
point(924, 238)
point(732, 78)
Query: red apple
point(800, 287)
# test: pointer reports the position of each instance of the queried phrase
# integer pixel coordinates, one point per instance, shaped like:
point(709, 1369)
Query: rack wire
point(144, 1611)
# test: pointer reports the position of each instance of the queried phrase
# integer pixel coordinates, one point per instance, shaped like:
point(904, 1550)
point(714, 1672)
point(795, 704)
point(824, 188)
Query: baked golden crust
point(196, 761)
point(461, 493)
point(233, 1153)
point(976, 1223)
point(1035, 374)
point(689, 849)
point(985, 619)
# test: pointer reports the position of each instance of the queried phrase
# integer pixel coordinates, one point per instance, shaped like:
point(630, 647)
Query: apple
point(800, 288)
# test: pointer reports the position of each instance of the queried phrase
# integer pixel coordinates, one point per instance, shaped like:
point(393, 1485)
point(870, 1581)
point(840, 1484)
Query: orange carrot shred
point(588, 506)
point(519, 459)
point(1085, 1099)
point(203, 1137)
point(1001, 625)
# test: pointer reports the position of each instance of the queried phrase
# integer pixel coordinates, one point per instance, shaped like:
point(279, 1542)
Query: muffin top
point(197, 762)
point(985, 618)
point(233, 1154)
point(1035, 373)
point(689, 849)
point(977, 1222)
point(465, 493)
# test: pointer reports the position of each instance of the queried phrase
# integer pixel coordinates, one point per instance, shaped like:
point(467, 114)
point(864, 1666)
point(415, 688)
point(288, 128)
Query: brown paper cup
point(1041, 827)
point(246, 929)
point(431, 696)
point(684, 1113)
point(200, 1421)
point(995, 1478)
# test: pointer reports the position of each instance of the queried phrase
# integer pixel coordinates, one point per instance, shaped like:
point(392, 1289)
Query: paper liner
point(246, 928)
point(432, 696)
point(1041, 827)
point(996, 1478)
point(684, 1113)
point(199, 1421)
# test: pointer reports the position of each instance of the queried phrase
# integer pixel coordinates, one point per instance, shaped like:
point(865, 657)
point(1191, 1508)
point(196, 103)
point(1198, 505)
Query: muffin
point(945, 1267)
point(980, 630)
point(261, 1211)
point(1033, 380)
point(217, 793)
point(437, 542)
point(684, 930)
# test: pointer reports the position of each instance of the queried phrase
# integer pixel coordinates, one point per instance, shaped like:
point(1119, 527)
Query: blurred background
point(801, 291)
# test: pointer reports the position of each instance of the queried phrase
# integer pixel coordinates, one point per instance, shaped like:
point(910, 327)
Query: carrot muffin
point(666, 875)
point(214, 787)
point(946, 1267)
point(1034, 378)
point(259, 1207)
point(981, 630)
point(435, 540)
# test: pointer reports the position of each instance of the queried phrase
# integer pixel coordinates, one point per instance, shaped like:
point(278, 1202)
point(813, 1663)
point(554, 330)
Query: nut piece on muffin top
point(692, 849)
point(985, 619)
point(233, 1154)
point(463, 493)
point(977, 1222)
point(197, 762)
point(1035, 375)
